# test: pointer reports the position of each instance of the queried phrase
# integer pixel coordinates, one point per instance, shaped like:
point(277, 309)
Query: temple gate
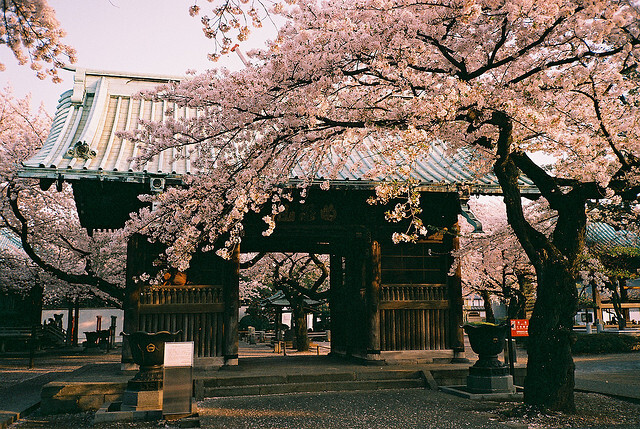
point(388, 302)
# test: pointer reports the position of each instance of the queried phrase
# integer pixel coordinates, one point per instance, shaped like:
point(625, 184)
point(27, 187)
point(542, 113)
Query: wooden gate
point(196, 310)
point(414, 297)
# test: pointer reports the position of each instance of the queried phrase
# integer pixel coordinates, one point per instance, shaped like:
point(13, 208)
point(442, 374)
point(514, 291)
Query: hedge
point(605, 343)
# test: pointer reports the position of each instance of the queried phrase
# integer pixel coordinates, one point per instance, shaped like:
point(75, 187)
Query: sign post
point(517, 328)
point(178, 379)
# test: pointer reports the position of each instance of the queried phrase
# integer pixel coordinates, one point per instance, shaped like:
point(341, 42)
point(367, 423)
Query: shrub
point(258, 322)
point(605, 343)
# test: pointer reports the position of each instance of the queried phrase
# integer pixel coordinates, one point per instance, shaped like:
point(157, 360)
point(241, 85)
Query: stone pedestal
point(144, 391)
point(490, 379)
point(495, 384)
point(141, 401)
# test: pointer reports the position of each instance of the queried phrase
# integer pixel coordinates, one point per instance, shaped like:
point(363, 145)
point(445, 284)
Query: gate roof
point(101, 104)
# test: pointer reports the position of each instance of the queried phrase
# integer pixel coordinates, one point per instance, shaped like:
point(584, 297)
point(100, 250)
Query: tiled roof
point(604, 235)
point(9, 241)
point(102, 103)
point(279, 299)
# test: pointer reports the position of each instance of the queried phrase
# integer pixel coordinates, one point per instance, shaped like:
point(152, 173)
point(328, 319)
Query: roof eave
point(176, 179)
point(69, 174)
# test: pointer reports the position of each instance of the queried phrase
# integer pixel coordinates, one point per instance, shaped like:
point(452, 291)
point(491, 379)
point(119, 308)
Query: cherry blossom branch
point(323, 269)
point(605, 132)
point(90, 278)
point(30, 25)
point(250, 263)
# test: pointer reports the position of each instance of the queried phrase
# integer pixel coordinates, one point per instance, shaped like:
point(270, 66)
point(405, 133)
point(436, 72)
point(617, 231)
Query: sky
point(141, 36)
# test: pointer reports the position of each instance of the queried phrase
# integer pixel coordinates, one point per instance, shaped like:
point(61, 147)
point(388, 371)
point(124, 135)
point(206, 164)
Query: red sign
point(519, 327)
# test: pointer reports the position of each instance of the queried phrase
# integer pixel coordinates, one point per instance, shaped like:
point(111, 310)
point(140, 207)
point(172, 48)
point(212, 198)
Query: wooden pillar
point(335, 290)
point(278, 336)
point(373, 298)
point(349, 319)
point(136, 250)
point(456, 315)
point(356, 316)
point(231, 294)
point(69, 338)
point(76, 321)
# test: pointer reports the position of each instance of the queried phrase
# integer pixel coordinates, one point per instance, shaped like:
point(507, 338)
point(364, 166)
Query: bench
point(25, 335)
point(318, 336)
point(99, 338)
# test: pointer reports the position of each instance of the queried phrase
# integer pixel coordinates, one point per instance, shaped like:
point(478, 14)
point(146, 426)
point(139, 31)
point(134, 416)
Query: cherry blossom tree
point(392, 77)
point(298, 276)
point(30, 29)
point(492, 261)
point(229, 23)
point(608, 267)
point(45, 222)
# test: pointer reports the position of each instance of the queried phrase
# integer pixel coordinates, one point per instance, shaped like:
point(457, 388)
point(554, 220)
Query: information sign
point(519, 327)
point(178, 378)
point(178, 354)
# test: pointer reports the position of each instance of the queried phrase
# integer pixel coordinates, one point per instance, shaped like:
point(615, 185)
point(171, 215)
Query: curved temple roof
point(606, 236)
point(102, 104)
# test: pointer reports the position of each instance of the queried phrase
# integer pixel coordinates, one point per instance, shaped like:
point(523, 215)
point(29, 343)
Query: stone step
point(396, 374)
point(309, 378)
point(332, 386)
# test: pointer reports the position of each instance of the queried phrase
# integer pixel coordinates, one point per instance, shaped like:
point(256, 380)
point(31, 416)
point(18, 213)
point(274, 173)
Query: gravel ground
point(413, 408)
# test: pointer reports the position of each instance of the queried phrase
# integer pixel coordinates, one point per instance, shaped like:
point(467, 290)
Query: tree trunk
point(624, 297)
point(488, 310)
point(616, 301)
point(300, 329)
point(522, 287)
point(550, 368)
point(597, 302)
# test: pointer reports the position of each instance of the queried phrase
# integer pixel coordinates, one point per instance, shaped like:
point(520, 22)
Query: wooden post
point(349, 314)
point(373, 298)
point(136, 250)
point(69, 338)
point(456, 318)
point(231, 293)
point(32, 345)
point(335, 291)
point(278, 333)
point(76, 324)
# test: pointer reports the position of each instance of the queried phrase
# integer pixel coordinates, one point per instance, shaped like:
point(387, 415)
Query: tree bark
point(300, 328)
point(550, 369)
point(618, 296)
point(76, 322)
point(488, 310)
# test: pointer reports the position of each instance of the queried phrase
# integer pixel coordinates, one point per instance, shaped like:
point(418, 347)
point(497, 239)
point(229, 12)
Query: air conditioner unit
point(157, 184)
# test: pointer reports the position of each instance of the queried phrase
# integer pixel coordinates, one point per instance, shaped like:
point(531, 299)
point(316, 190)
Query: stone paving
point(20, 385)
point(615, 375)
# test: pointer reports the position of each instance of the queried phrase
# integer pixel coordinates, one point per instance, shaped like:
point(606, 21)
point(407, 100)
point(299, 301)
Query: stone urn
point(488, 374)
point(147, 348)
point(487, 340)
point(92, 338)
point(144, 391)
